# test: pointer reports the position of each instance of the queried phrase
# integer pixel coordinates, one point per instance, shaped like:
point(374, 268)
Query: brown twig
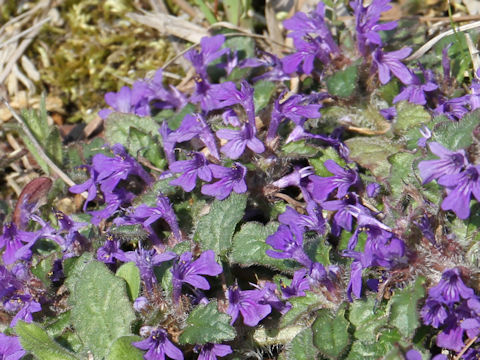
point(465, 348)
point(289, 200)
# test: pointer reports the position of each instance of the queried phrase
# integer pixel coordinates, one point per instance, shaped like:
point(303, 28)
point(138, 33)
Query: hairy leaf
point(206, 324)
point(330, 333)
point(131, 274)
point(102, 311)
point(215, 230)
point(404, 309)
point(36, 340)
point(249, 247)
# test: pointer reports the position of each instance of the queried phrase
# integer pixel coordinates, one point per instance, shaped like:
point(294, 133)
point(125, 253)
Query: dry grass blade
point(429, 44)
point(171, 25)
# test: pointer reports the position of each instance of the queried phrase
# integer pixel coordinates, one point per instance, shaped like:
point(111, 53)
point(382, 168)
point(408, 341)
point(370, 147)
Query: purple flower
point(426, 135)
point(147, 215)
point(433, 313)
point(110, 251)
point(313, 221)
point(343, 179)
point(89, 186)
point(299, 178)
point(192, 125)
point(271, 298)
point(24, 306)
point(346, 209)
point(289, 243)
point(413, 355)
point(227, 95)
point(311, 37)
point(452, 336)
point(387, 63)
point(10, 348)
point(450, 162)
point(129, 101)
point(239, 139)
point(450, 288)
point(210, 51)
point(231, 179)
point(295, 108)
point(415, 92)
point(210, 351)
point(318, 276)
point(249, 304)
point(373, 189)
point(454, 108)
point(389, 113)
point(9, 283)
point(13, 240)
point(276, 72)
point(460, 187)
point(230, 117)
point(112, 202)
point(162, 98)
point(474, 97)
point(366, 23)
point(185, 270)
point(298, 286)
point(190, 169)
point(307, 52)
point(140, 303)
point(146, 260)
point(158, 346)
point(111, 170)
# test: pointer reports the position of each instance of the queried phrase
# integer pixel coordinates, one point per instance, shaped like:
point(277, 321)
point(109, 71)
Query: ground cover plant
point(322, 204)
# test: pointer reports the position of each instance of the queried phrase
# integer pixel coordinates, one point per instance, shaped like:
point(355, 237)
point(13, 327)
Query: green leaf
point(37, 123)
point(367, 319)
point(263, 92)
point(131, 274)
point(343, 82)
point(249, 247)
point(206, 11)
point(300, 147)
point(102, 311)
point(402, 175)
point(175, 121)
point(215, 230)
point(403, 307)
point(409, 116)
point(141, 143)
point(330, 333)
point(372, 153)
point(122, 349)
point(206, 324)
point(42, 269)
point(327, 154)
point(33, 150)
point(245, 48)
point(118, 126)
point(455, 135)
point(36, 340)
point(302, 307)
point(301, 347)
point(73, 269)
point(317, 248)
point(53, 146)
point(233, 10)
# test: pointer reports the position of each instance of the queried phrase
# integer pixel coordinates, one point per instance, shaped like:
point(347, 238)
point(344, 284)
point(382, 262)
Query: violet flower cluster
point(460, 178)
point(453, 308)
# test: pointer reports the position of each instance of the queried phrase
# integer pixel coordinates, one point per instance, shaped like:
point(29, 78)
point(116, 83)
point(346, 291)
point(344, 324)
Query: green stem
point(206, 11)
